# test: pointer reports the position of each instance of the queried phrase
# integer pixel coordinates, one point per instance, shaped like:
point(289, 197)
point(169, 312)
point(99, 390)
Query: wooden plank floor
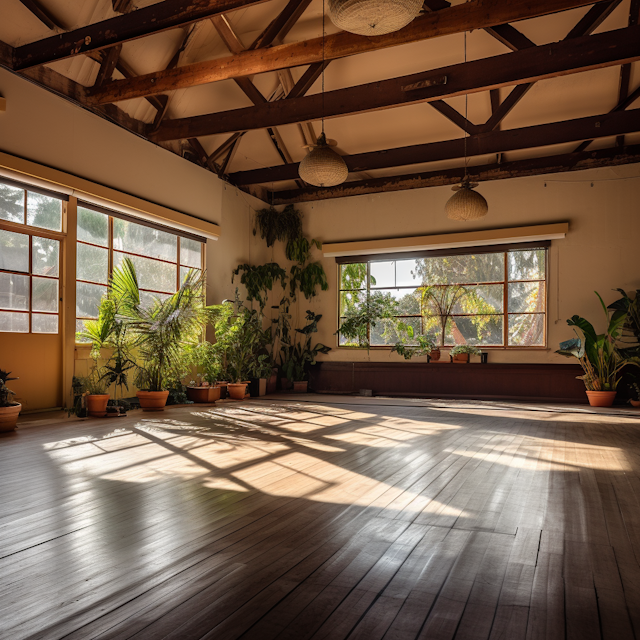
point(307, 520)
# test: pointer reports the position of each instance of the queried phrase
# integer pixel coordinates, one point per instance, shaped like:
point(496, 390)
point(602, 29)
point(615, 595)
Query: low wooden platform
point(285, 519)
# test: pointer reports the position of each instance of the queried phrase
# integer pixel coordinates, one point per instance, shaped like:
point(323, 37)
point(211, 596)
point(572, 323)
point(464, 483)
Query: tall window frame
point(509, 313)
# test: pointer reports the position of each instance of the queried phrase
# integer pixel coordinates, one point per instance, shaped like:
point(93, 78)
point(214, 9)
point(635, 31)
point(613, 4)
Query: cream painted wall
point(599, 253)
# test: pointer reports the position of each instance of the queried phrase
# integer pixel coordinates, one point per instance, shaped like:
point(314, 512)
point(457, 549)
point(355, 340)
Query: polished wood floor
point(299, 520)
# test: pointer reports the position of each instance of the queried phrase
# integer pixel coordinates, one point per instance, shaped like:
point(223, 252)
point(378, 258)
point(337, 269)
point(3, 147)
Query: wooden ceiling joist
point(456, 19)
point(168, 14)
point(43, 14)
point(613, 124)
point(547, 61)
point(482, 173)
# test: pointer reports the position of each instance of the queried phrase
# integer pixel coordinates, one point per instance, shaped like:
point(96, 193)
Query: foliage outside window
point(162, 259)
point(498, 299)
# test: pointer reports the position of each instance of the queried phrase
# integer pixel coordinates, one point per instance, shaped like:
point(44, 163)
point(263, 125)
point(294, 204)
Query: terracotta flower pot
point(262, 387)
point(461, 357)
point(152, 400)
point(214, 394)
point(223, 389)
point(601, 398)
point(435, 355)
point(97, 405)
point(272, 383)
point(301, 386)
point(198, 394)
point(9, 417)
point(285, 384)
point(237, 390)
point(635, 403)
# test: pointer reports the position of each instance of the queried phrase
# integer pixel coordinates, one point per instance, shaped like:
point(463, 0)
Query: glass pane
point(79, 328)
point(147, 299)
point(93, 227)
point(386, 332)
point(159, 276)
point(191, 253)
point(383, 274)
point(93, 263)
point(41, 323)
point(406, 274)
point(14, 291)
point(14, 251)
point(466, 269)
point(526, 296)
point(526, 330)
point(349, 301)
point(11, 204)
point(527, 265)
point(45, 256)
point(14, 322)
point(408, 300)
point(88, 298)
point(477, 330)
point(43, 211)
point(45, 294)
point(483, 298)
point(353, 276)
point(185, 270)
point(145, 241)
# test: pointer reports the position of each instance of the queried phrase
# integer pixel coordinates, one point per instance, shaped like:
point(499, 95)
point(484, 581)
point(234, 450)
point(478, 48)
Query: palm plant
point(163, 331)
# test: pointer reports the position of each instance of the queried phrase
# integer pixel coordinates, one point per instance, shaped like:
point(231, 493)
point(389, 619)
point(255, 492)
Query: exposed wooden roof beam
point(108, 65)
point(456, 19)
point(510, 37)
point(547, 61)
point(168, 14)
point(454, 116)
point(491, 142)
point(281, 24)
point(593, 18)
point(43, 14)
point(483, 173)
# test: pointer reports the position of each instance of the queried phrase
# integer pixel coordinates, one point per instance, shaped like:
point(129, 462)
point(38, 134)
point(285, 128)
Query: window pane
point(408, 300)
point(526, 296)
point(14, 322)
point(14, 291)
point(386, 332)
point(45, 256)
point(478, 330)
point(45, 294)
point(353, 276)
point(41, 323)
point(14, 251)
point(93, 263)
point(11, 204)
point(406, 275)
point(526, 330)
point(185, 270)
point(527, 265)
point(466, 269)
point(349, 301)
point(88, 298)
point(136, 238)
point(43, 211)
point(190, 253)
point(482, 299)
point(159, 276)
point(93, 227)
point(79, 328)
point(383, 274)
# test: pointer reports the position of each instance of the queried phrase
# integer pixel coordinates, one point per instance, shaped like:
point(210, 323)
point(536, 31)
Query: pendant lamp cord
point(323, 38)
point(466, 111)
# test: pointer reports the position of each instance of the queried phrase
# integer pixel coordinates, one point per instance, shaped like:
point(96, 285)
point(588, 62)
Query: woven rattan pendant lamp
point(466, 204)
point(373, 17)
point(322, 166)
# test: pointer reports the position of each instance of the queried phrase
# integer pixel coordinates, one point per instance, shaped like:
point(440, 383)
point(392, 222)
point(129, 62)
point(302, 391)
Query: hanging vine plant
point(259, 280)
point(285, 225)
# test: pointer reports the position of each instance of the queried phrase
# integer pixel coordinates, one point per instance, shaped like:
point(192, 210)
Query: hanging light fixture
point(466, 204)
point(373, 17)
point(322, 166)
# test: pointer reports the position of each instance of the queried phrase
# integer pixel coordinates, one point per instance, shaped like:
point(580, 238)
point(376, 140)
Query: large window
point(29, 263)
point(162, 258)
point(499, 297)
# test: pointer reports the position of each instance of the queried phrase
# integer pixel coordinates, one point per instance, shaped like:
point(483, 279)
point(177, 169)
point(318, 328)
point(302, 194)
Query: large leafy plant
point(630, 335)
point(598, 354)
point(411, 345)
point(259, 280)
point(365, 314)
point(298, 354)
point(285, 225)
point(6, 395)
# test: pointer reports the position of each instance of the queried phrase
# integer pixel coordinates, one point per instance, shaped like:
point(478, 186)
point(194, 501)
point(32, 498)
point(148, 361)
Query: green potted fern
point(9, 410)
point(461, 352)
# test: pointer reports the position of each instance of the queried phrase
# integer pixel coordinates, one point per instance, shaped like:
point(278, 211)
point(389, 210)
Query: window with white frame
point(502, 296)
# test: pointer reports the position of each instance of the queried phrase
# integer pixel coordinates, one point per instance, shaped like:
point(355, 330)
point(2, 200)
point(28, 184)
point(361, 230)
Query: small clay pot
point(435, 355)
point(152, 400)
point(97, 405)
point(9, 417)
point(301, 386)
point(460, 357)
point(237, 390)
point(198, 394)
point(601, 398)
point(635, 403)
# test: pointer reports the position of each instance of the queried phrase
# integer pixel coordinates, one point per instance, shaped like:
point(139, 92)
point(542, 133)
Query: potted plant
point(635, 395)
point(161, 331)
point(260, 372)
point(206, 389)
point(598, 354)
point(96, 396)
point(438, 302)
point(461, 352)
point(425, 346)
point(9, 410)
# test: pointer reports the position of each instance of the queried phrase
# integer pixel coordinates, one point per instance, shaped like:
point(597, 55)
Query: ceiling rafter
point(546, 61)
point(542, 135)
point(456, 19)
point(43, 14)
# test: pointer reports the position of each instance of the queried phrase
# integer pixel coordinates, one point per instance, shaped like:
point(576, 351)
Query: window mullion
point(505, 302)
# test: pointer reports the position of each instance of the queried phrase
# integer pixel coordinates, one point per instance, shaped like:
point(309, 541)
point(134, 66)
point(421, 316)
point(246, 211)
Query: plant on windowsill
point(425, 345)
point(599, 356)
point(9, 410)
point(461, 352)
point(439, 301)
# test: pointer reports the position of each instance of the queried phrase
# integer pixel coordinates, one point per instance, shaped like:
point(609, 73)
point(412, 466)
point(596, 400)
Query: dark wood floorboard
point(274, 519)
